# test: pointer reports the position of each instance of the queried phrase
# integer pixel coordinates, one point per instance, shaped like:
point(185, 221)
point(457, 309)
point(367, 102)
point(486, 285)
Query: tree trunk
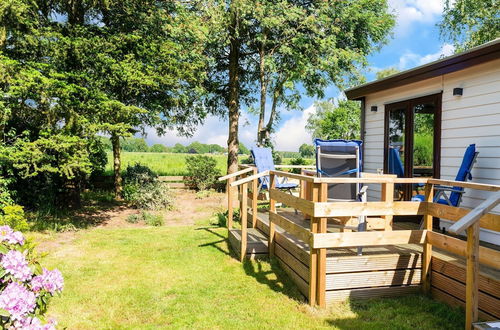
point(117, 164)
point(266, 133)
point(263, 94)
point(233, 97)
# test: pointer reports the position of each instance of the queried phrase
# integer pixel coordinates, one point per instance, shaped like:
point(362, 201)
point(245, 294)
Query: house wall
point(471, 118)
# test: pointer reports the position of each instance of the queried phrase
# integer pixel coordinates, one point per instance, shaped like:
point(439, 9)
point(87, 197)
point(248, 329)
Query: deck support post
point(471, 282)
point(388, 197)
point(427, 247)
point(313, 256)
point(272, 208)
point(255, 196)
point(229, 191)
point(321, 272)
point(244, 224)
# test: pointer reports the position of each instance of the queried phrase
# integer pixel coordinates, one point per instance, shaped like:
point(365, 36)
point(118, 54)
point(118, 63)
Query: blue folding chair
point(396, 167)
point(456, 193)
point(263, 159)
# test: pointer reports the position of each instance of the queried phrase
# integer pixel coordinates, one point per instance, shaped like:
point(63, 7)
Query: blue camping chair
point(464, 174)
point(396, 167)
point(263, 159)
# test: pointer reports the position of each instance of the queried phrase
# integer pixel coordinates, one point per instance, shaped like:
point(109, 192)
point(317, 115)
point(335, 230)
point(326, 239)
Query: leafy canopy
point(330, 121)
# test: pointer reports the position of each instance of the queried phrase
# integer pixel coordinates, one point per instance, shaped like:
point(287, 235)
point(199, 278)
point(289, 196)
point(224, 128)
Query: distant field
point(165, 163)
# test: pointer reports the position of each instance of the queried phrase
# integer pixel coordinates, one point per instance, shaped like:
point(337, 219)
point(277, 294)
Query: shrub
point(152, 219)
point(422, 153)
point(202, 171)
point(297, 161)
point(133, 218)
point(26, 286)
point(13, 216)
point(151, 196)
point(139, 174)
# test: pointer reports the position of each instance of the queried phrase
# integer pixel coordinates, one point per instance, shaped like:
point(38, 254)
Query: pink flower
point(51, 281)
point(10, 236)
point(34, 323)
point(15, 264)
point(17, 300)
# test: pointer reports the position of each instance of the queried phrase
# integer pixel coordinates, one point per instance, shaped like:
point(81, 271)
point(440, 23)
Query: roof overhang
point(477, 55)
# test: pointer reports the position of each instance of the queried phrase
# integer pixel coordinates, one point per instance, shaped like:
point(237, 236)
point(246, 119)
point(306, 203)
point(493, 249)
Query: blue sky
point(415, 42)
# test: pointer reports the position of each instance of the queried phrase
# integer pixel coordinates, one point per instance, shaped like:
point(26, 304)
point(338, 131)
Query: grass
point(184, 277)
point(167, 164)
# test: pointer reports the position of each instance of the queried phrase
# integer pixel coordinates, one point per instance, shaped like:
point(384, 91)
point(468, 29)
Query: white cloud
point(409, 12)
point(293, 132)
point(409, 59)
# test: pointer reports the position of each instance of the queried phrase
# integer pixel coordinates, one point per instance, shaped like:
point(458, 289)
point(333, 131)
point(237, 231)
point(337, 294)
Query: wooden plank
point(170, 178)
point(322, 228)
point(336, 240)
point(368, 293)
point(293, 176)
point(457, 271)
point(244, 223)
point(470, 185)
point(454, 245)
point(230, 211)
point(388, 197)
point(249, 178)
point(488, 221)
point(365, 263)
point(255, 198)
point(340, 209)
point(301, 284)
point(373, 279)
point(235, 174)
point(290, 226)
point(452, 301)
point(292, 262)
point(472, 271)
point(292, 201)
point(313, 253)
point(487, 303)
point(272, 209)
point(477, 213)
point(427, 248)
point(293, 247)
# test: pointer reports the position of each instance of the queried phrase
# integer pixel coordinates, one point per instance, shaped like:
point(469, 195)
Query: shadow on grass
point(268, 272)
point(408, 312)
point(94, 212)
point(215, 244)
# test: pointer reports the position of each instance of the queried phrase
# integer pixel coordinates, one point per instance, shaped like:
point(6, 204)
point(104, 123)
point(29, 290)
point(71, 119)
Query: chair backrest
point(464, 173)
point(339, 158)
point(263, 160)
point(395, 163)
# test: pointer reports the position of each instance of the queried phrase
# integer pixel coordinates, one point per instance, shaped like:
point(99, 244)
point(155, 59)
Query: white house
point(431, 114)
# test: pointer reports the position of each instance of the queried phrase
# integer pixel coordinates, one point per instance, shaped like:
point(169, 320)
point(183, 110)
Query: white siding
point(471, 118)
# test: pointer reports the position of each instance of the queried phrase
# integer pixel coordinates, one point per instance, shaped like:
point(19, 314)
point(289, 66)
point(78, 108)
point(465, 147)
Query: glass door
point(412, 136)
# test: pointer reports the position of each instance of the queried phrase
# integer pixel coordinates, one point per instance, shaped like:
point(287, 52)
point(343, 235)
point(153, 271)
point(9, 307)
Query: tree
point(297, 46)
point(330, 121)
point(386, 72)
point(179, 149)
point(306, 151)
point(470, 23)
point(133, 144)
point(243, 150)
point(158, 148)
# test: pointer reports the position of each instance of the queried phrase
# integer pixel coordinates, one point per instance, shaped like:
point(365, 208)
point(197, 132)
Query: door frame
point(409, 120)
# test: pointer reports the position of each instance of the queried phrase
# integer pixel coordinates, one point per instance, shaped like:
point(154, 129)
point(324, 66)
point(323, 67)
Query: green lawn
point(165, 163)
point(183, 277)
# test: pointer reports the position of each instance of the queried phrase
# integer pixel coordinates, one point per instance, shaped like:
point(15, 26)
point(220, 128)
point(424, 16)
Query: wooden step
point(257, 244)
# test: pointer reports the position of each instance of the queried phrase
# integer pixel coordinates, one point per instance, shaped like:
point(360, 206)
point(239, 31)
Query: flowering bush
point(25, 287)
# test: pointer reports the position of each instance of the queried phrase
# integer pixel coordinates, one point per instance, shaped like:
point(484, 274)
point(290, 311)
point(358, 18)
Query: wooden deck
point(381, 271)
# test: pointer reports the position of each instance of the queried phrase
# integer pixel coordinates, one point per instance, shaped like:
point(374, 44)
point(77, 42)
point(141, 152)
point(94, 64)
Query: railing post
point(255, 196)
point(427, 248)
point(471, 283)
point(322, 228)
point(272, 208)
point(229, 190)
point(244, 225)
point(388, 197)
point(313, 253)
